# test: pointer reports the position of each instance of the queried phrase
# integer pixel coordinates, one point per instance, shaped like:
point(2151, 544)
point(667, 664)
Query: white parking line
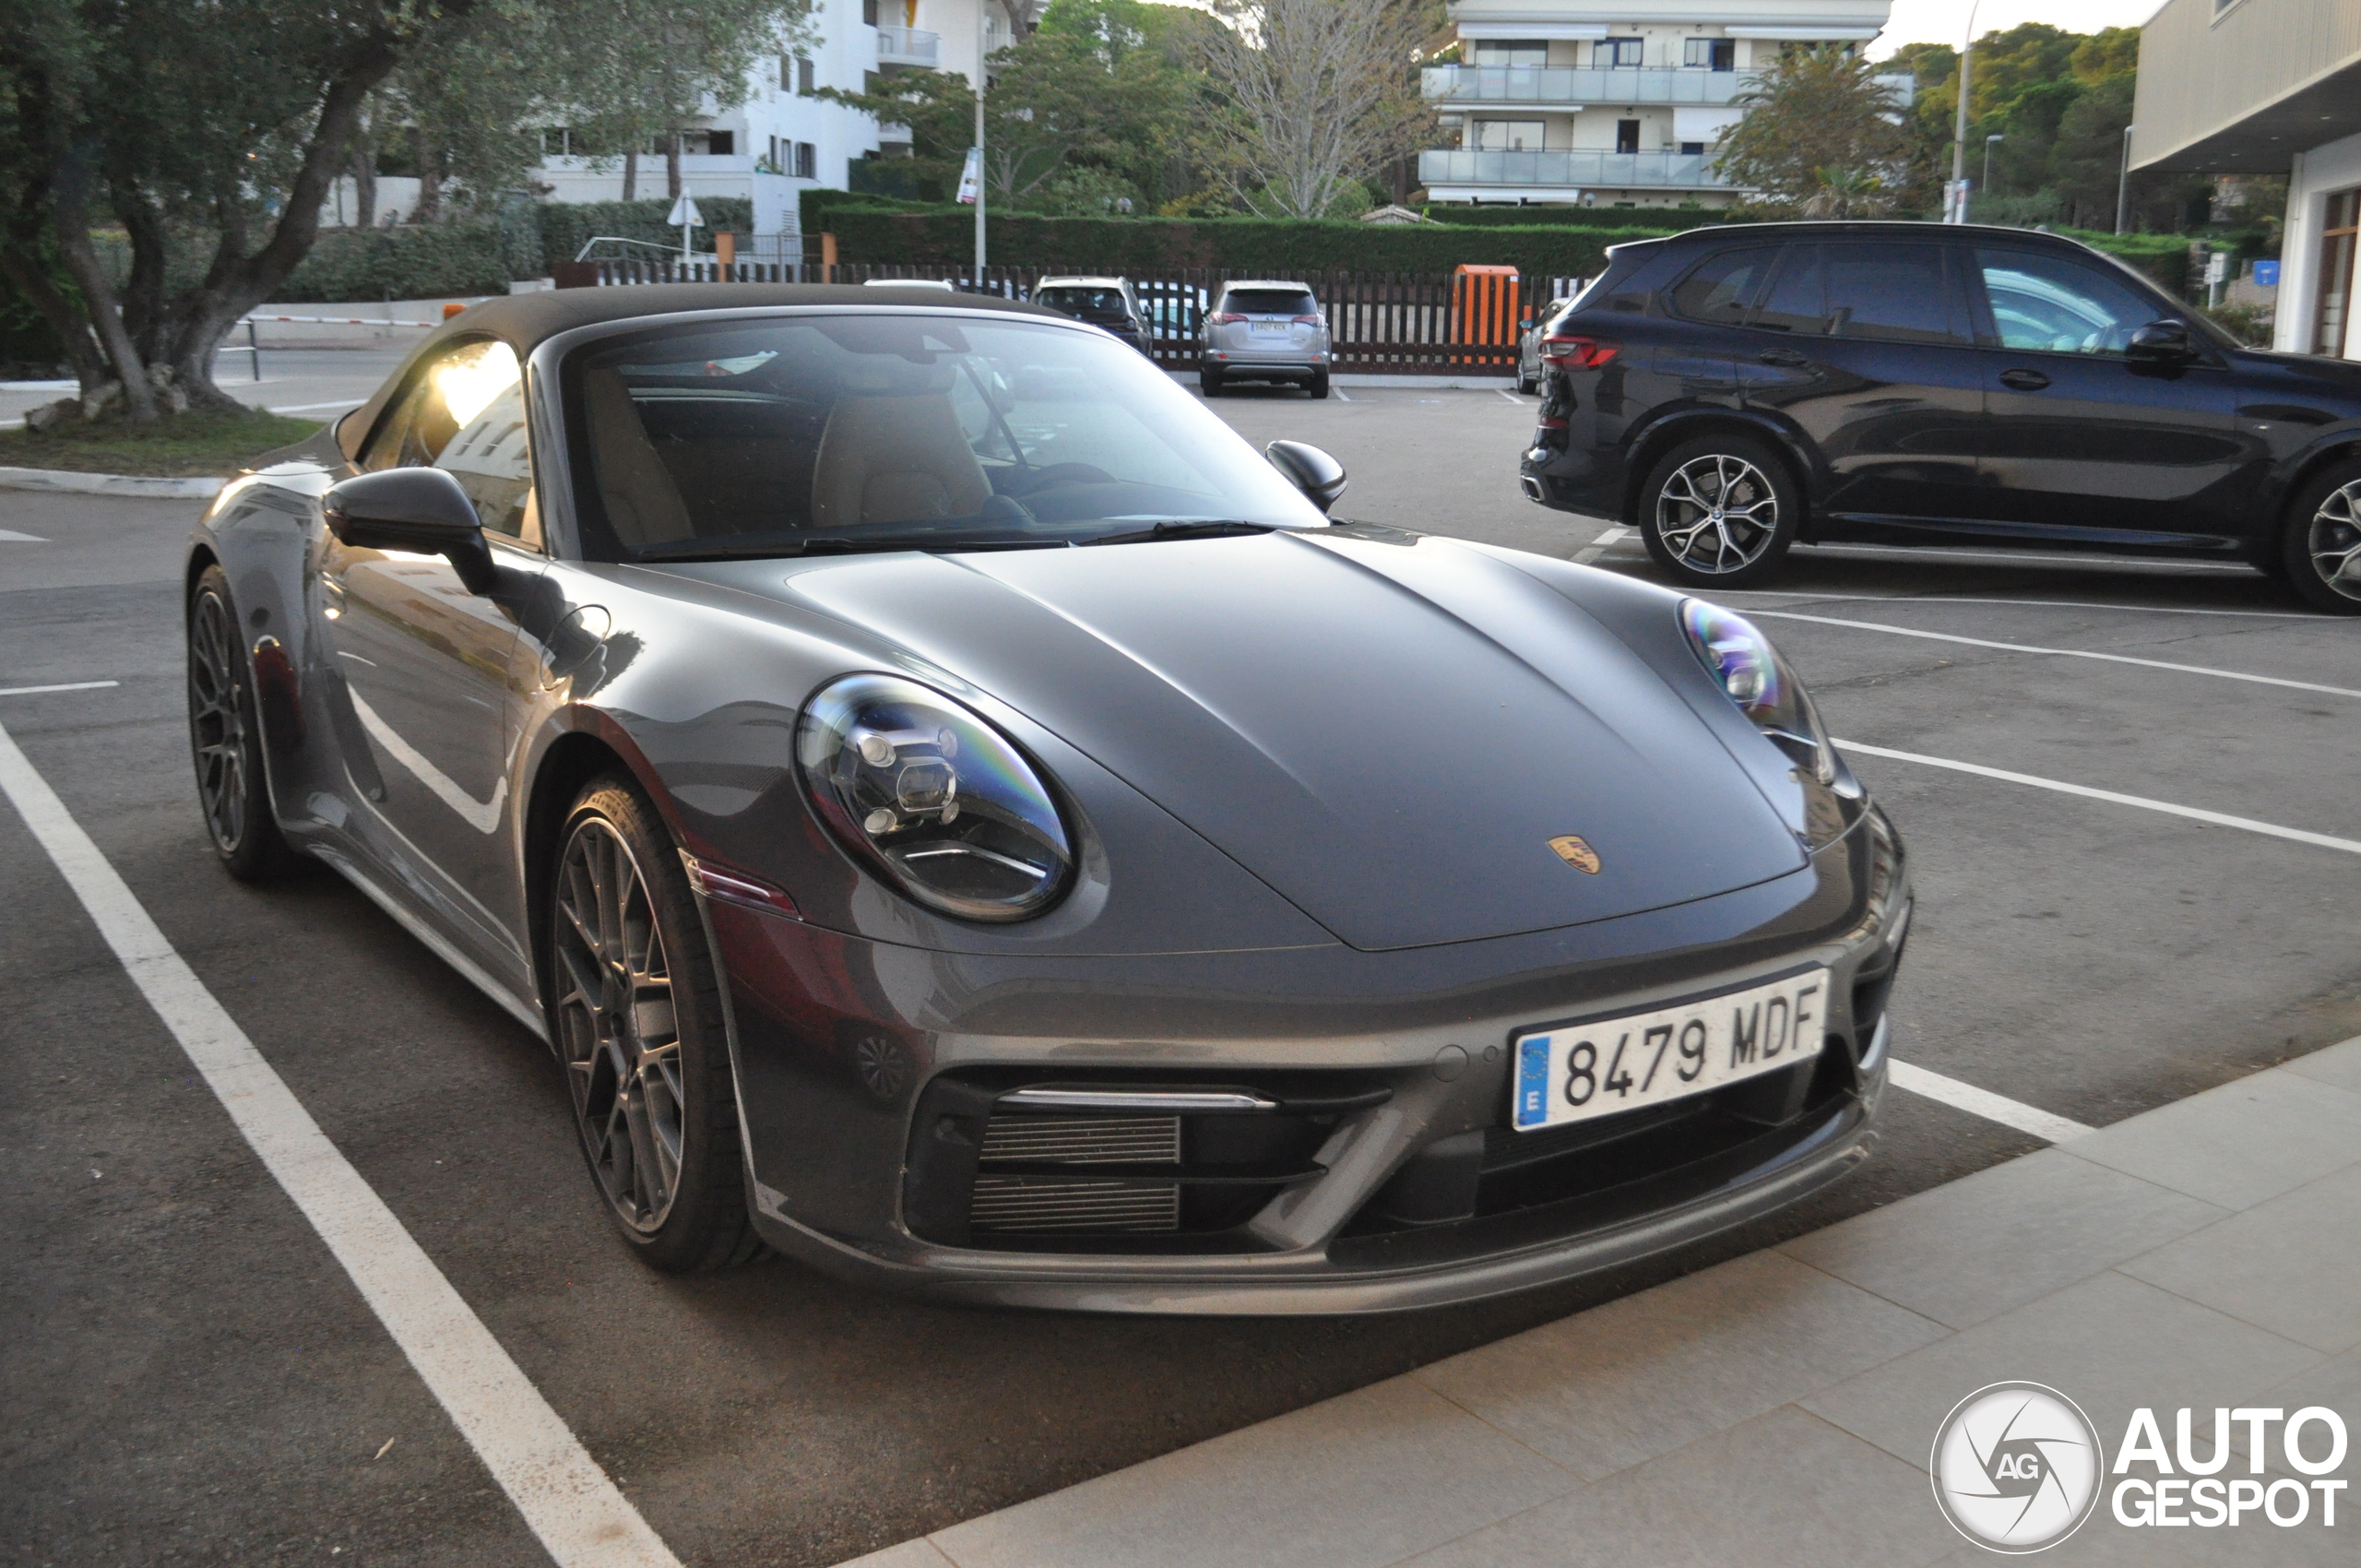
point(10, 535)
point(2060, 652)
point(2032, 603)
point(1338, 393)
point(1983, 1103)
point(2194, 813)
point(1510, 396)
point(68, 686)
point(1601, 545)
point(307, 408)
point(565, 1498)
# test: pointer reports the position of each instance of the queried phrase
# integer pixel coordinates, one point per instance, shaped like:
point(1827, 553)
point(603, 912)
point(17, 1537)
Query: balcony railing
point(1690, 171)
point(1477, 86)
point(907, 46)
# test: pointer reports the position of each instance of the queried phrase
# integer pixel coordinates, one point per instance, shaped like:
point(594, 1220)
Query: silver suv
point(1265, 332)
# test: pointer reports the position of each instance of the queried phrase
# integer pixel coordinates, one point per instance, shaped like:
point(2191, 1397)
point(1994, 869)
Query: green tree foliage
point(1820, 138)
point(223, 124)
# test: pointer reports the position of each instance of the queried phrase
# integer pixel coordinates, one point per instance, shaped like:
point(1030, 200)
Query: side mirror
point(2162, 342)
point(416, 509)
point(1318, 475)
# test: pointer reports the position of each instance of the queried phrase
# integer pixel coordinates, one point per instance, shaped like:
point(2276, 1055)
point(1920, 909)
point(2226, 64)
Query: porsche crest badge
point(1575, 854)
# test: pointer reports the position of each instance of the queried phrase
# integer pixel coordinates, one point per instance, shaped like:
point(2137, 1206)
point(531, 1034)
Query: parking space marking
point(1601, 545)
point(1338, 393)
point(2060, 652)
point(2194, 813)
point(1510, 396)
point(307, 408)
point(2030, 603)
point(68, 686)
point(568, 1502)
point(1985, 1103)
point(10, 535)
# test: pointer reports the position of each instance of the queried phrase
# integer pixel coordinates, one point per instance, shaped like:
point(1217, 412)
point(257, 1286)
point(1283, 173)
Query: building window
point(1693, 149)
point(1623, 51)
point(1627, 136)
point(721, 144)
point(803, 84)
point(869, 13)
point(1512, 51)
point(1508, 136)
point(807, 161)
point(2339, 235)
point(1713, 54)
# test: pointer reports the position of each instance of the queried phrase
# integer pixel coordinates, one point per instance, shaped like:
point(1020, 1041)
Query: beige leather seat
point(644, 507)
point(888, 459)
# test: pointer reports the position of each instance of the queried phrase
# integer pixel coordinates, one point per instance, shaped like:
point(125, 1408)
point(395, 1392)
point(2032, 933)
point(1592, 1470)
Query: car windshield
point(1076, 300)
point(797, 434)
point(1268, 302)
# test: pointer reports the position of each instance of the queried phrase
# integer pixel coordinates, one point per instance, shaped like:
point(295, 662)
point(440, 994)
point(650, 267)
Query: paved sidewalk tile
point(2109, 1344)
point(2239, 1145)
point(1779, 1491)
point(2292, 1265)
point(1357, 1481)
point(1973, 1248)
point(2338, 1065)
point(1653, 1372)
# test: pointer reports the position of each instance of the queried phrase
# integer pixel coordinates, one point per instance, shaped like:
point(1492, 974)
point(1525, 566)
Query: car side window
point(1889, 290)
point(465, 414)
point(1798, 302)
point(1719, 289)
point(2060, 306)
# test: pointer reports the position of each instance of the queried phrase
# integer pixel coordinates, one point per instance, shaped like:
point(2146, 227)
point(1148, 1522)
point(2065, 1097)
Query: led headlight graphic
point(1759, 682)
point(933, 798)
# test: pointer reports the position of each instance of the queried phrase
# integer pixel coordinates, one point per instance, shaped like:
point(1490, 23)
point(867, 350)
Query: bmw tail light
point(1578, 353)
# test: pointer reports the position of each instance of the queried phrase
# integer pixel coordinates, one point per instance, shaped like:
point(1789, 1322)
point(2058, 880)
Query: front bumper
point(860, 1067)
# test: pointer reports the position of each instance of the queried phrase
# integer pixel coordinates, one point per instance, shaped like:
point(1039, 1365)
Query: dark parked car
point(962, 816)
point(1109, 302)
point(1732, 391)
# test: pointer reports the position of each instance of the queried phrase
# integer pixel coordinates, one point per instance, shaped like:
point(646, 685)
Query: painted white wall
point(2335, 166)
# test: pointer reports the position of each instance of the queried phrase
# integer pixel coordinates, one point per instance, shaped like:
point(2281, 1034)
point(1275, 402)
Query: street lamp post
point(983, 20)
point(1987, 185)
point(2123, 181)
point(1955, 209)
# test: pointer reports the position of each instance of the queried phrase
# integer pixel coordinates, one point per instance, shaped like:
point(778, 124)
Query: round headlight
point(933, 798)
point(1750, 671)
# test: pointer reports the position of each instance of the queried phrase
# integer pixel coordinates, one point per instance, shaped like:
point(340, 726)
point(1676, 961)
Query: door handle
point(2024, 380)
point(1780, 356)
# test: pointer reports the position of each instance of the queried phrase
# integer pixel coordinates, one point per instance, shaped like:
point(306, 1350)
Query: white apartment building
point(782, 139)
point(1612, 102)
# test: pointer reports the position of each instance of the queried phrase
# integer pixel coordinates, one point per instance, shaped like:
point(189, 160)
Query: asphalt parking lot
point(195, 1380)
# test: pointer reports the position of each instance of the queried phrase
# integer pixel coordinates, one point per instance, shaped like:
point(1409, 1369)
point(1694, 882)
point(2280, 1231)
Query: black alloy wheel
point(1719, 511)
point(636, 1014)
point(225, 738)
point(2323, 545)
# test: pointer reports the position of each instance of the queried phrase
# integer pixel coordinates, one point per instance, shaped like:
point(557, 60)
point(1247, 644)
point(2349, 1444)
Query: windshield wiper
point(1204, 528)
point(753, 550)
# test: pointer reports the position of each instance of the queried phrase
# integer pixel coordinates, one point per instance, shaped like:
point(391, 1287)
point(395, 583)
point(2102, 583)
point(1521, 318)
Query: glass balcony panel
point(907, 46)
point(1591, 167)
point(1475, 86)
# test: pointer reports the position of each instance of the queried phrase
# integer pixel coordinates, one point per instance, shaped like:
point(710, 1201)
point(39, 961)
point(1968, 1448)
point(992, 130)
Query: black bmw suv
point(1730, 391)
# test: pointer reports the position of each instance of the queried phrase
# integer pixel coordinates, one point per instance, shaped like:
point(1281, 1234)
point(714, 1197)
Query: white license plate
point(1268, 325)
point(1616, 1065)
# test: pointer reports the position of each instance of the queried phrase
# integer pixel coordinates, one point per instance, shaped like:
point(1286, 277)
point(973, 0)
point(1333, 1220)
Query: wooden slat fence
point(1380, 323)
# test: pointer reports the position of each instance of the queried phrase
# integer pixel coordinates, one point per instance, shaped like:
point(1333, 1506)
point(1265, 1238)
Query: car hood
point(1390, 734)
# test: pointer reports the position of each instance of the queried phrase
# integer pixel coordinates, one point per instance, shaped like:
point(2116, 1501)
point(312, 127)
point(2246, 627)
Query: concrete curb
point(129, 485)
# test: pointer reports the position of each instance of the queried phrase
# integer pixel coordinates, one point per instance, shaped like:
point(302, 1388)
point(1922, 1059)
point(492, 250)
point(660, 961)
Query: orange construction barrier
point(1484, 313)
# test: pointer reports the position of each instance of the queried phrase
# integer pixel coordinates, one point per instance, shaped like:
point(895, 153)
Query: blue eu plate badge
point(1533, 1081)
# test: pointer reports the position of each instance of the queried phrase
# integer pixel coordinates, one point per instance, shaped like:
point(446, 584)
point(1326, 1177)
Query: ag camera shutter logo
point(2016, 1467)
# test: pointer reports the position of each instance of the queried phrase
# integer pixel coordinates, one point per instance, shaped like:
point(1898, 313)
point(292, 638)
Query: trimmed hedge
point(2164, 258)
point(473, 256)
point(873, 234)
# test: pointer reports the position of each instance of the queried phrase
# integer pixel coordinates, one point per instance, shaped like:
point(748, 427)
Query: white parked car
point(1265, 332)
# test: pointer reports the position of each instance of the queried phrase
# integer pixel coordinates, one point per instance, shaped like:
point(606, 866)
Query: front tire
point(1719, 511)
point(635, 1011)
point(225, 738)
point(2320, 548)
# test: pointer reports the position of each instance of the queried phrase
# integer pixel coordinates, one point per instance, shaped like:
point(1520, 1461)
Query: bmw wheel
point(636, 1011)
point(225, 738)
point(1719, 511)
point(2322, 550)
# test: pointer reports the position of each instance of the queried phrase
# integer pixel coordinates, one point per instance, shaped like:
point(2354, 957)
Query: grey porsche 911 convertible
point(961, 817)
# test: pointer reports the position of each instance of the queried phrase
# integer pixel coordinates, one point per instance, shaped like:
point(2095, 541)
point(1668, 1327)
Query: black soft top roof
point(526, 321)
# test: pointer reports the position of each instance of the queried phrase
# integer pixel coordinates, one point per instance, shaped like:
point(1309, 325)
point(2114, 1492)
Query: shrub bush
point(469, 256)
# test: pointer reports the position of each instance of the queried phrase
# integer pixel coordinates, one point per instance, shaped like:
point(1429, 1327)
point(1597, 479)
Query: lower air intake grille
point(1081, 1140)
point(1036, 1203)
